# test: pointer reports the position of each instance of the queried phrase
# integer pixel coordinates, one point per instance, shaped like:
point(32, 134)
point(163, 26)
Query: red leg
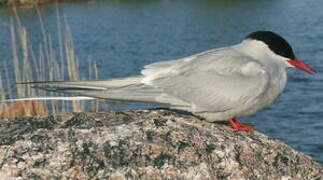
point(240, 127)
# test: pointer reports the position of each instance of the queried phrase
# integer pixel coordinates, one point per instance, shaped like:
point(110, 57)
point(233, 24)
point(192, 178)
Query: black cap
point(275, 43)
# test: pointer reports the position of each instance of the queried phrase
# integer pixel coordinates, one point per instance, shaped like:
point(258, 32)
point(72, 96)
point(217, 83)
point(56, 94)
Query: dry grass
point(23, 109)
point(45, 63)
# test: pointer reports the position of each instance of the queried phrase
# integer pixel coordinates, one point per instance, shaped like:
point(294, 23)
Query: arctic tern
point(219, 84)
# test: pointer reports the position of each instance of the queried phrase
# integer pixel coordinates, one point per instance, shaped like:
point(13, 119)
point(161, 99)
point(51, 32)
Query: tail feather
point(139, 93)
point(60, 98)
point(127, 89)
point(124, 89)
point(94, 85)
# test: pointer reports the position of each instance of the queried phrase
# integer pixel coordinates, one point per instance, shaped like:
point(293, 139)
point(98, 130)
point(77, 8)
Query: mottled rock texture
point(143, 144)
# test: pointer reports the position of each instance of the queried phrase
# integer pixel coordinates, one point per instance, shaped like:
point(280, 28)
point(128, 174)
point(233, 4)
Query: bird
point(220, 84)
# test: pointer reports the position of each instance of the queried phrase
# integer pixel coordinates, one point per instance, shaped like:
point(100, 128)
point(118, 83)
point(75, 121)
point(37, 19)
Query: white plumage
point(218, 84)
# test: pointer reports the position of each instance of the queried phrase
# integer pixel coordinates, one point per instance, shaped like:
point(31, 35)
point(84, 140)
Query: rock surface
point(143, 144)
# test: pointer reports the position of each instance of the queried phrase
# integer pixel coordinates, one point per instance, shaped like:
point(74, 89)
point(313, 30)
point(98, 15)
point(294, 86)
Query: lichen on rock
point(143, 144)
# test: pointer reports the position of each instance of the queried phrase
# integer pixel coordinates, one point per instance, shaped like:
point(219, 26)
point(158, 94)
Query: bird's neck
point(259, 51)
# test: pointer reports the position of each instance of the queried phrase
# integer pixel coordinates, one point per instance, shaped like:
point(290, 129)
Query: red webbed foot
point(241, 127)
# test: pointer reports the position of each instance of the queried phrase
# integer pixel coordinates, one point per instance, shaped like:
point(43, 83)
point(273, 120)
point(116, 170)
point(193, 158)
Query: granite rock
point(143, 144)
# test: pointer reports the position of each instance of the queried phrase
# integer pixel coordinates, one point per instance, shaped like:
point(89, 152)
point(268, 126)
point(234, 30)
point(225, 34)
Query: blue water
point(124, 35)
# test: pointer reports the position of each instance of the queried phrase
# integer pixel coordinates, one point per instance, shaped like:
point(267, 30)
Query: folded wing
point(216, 80)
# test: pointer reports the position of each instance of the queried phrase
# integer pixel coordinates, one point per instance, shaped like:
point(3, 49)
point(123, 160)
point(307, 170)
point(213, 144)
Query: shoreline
point(14, 3)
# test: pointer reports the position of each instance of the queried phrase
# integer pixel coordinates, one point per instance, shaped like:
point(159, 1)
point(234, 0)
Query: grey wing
point(215, 81)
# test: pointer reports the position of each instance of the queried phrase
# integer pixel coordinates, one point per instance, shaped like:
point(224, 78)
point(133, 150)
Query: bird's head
point(279, 46)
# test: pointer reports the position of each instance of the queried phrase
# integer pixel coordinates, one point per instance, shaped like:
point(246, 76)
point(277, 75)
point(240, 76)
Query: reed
point(40, 64)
